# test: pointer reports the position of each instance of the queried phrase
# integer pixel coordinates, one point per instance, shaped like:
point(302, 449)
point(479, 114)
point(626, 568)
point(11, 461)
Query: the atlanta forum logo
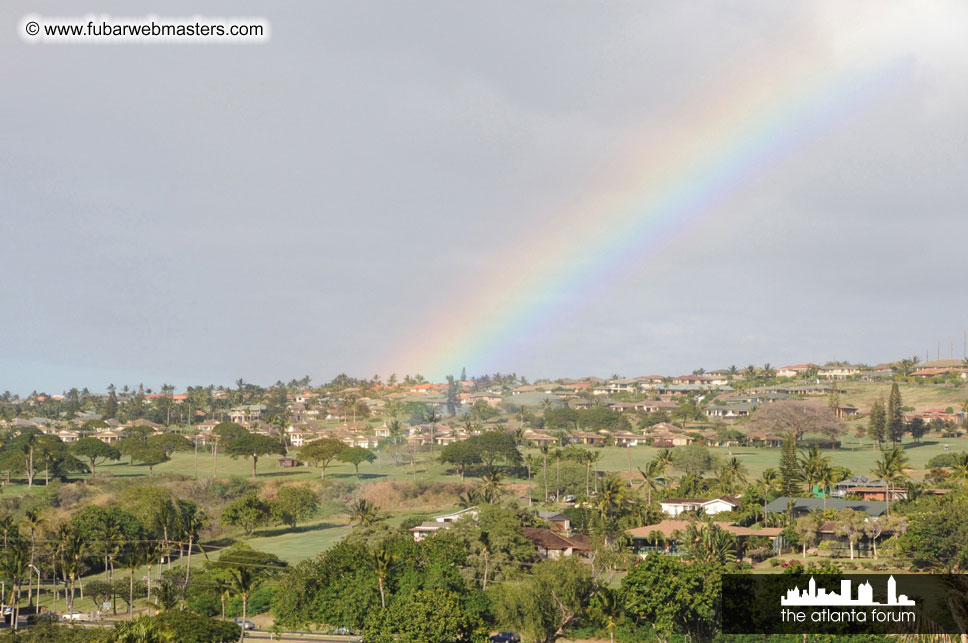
point(844, 607)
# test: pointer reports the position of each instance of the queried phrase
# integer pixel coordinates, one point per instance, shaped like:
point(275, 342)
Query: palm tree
point(731, 474)
point(364, 513)
point(558, 454)
point(664, 456)
point(72, 551)
point(14, 565)
point(812, 464)
point(890, 469)
point(545, 451)
point(491, 489)
point(959, 468)
point(608, 607)
point(829, 476)
point(32, 520)
point(707, 542)
point(650, 476)
point(143, 630)
point(432, 417)
point(222, 588)
point(610, 497)
point(383, 560)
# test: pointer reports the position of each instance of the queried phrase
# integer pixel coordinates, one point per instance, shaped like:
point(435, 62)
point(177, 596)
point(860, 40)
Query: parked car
point(245, 625)
point(505, 637)
point(342, 630)
point(74, 616)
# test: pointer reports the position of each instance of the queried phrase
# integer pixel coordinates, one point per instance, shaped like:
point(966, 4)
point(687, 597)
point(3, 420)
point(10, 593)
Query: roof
point(699, 501)
point(873, 508)
point(547, 539)
point(668, 528)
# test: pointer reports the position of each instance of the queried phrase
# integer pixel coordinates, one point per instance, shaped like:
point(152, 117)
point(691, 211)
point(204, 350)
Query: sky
point(556, 189)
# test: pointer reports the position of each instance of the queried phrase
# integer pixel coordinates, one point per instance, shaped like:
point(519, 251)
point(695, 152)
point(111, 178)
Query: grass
point(863, 394)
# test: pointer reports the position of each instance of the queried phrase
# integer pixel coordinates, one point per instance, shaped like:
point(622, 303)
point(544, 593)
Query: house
point(626, 439)
point(837, 372)
point(846, 411)
point(492, 399)
point(729, 411)
point(803, 506)
point(540, 439)
point(665, 536)
point(675, 506)
point(443, 521)
point(288, 463)
point(766, 439)
point(108, 436)
point(558, 521)
point(878, 493)
point(797, 370)
point(622, 386)
point(590, 439)
point(554, 545)
point(247, 413)
point(68, 436)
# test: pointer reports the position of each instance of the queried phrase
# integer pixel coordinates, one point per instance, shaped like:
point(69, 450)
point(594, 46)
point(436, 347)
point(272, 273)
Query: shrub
point(188, 627)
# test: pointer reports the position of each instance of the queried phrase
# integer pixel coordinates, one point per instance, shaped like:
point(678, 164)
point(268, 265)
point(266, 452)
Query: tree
point(253, 445)
point(607, 606)
point(895, 415)
point(542, 605)
point(732, 475)
point(496, 446)
point(426, 615)
point(695, 458)
point(790, 474)
point(808, 528)
point(877, 423)
point(294, 503)
point(14, 566)
point(170, 442)
point(149, 456)
point(917, 428)
point(95, 451)
point(851, 524)
point(364, 513)
point(706, 542)
point(356, 456)
point(461, 454)
point(650, 476)
point(793, 417)
point(936, 534)
point(321, 452)
point(246, 569)
point(890, 469)
point(249, 511)
point(813, 465)
point(673, 595)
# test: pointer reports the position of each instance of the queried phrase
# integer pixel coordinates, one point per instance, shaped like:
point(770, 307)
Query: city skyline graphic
point(865, 595)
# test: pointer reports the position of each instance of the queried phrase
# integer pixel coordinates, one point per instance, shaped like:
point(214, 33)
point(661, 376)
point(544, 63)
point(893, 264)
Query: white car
point(74, 616)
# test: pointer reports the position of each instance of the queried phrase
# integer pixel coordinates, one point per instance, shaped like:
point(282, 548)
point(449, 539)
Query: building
point(803, 506)
point(675, 506)
point(443, 521)
point(665, 537)
point(554, 545)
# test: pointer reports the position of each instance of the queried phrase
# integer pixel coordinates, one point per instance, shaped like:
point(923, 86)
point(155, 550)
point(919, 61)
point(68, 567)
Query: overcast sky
point(193, 214)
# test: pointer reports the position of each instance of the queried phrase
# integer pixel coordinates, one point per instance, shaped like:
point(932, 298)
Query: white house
point(675, 506)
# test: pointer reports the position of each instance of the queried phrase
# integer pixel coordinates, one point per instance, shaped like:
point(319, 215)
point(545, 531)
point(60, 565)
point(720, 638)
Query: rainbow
point(723, 142)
